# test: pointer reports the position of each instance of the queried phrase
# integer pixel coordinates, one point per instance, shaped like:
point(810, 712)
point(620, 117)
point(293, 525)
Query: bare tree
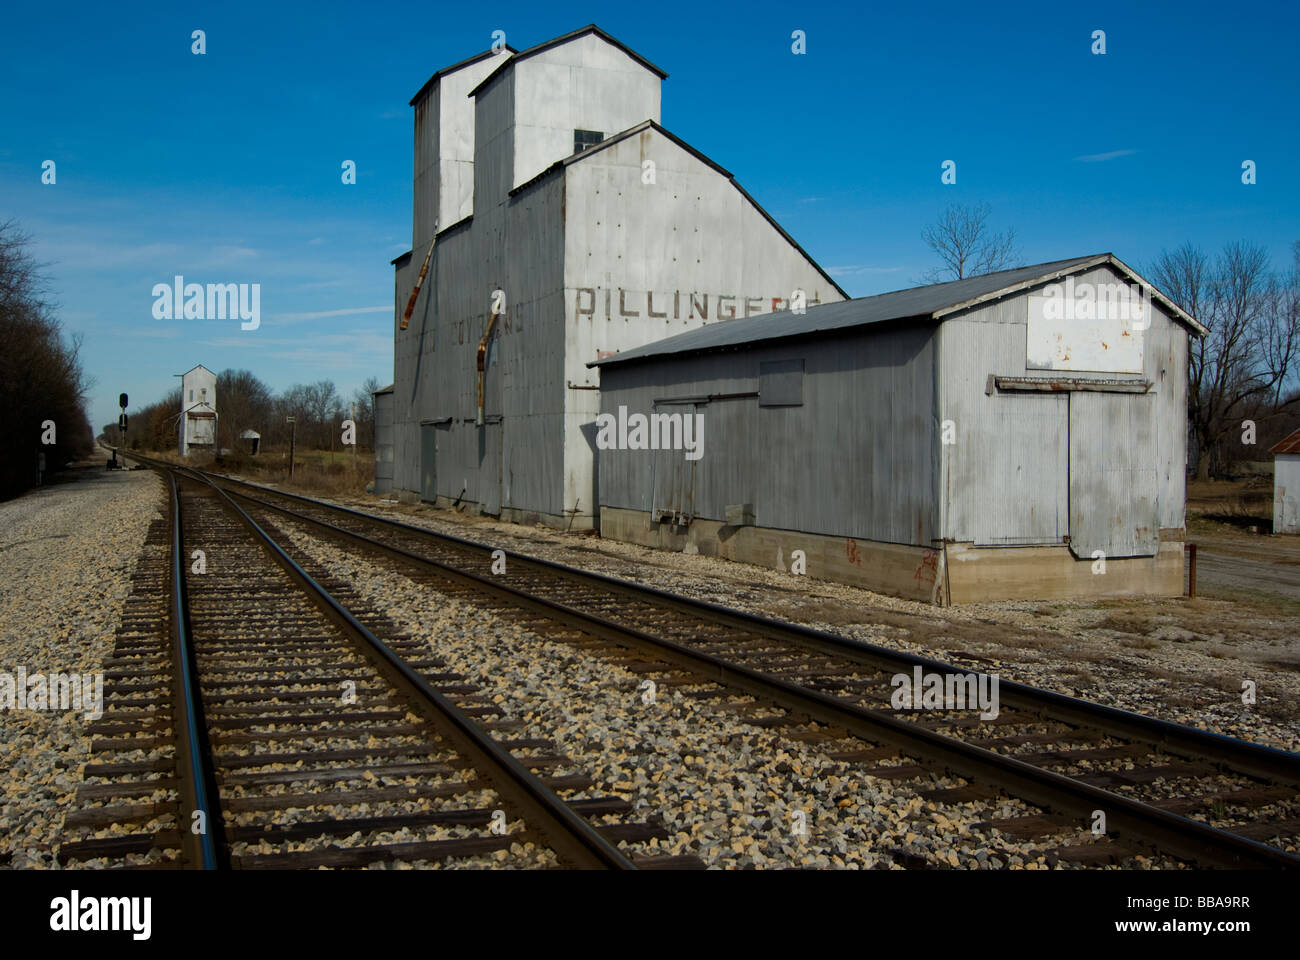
point(41, 377)
point(966, 245)
point(364, 400)
point(245, 402)
point(1240, 367)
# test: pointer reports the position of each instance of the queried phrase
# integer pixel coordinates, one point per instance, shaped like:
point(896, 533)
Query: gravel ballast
point(1176, 659)
point(66, 556)
point(735, 794)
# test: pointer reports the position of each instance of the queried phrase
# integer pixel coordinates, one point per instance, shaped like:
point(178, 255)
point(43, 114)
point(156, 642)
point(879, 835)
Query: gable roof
point(931, 302)
point(574, 35)
point(197, 366)
point(428, 84)
point(1288, 444)
point(652, 125)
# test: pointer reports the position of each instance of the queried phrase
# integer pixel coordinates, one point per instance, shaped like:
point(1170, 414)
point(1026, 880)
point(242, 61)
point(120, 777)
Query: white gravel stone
point(67, 552)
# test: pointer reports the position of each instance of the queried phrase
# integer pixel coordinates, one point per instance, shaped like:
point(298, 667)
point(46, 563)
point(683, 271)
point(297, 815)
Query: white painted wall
point(1286, 493)
point(199, 395)
point(585, 84)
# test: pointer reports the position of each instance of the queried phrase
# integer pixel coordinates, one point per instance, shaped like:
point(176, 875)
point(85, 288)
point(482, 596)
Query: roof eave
point(565, 38)
point(445, 71)
point(1088, 264)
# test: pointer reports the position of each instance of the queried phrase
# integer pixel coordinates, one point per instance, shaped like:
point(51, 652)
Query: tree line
point(246, 403)
point(42, 385)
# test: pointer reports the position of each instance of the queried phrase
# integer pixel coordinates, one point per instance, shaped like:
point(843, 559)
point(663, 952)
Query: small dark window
point(780, 383)
point(582, 139)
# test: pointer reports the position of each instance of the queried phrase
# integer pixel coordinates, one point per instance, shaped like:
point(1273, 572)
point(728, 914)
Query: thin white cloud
point(859, 269)
point(1102, 157)
point(320, 315)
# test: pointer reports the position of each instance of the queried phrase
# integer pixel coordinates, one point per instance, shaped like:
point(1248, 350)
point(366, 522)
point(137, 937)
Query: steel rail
point(197, 778)
point(1169, 832)
point(1242, 756)
point(569, 834)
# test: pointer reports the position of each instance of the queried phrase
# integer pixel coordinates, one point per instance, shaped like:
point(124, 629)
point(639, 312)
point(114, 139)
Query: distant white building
point(1286, 484)
point(198, 421)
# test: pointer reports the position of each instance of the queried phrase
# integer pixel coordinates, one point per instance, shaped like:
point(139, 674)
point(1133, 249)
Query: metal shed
point(992, 437)
point(1286, 484)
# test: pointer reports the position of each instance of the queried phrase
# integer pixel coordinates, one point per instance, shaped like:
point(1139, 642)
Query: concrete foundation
point(951, 573)
point(578, 523)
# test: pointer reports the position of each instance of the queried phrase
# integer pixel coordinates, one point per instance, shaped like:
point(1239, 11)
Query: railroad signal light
point(121, 400)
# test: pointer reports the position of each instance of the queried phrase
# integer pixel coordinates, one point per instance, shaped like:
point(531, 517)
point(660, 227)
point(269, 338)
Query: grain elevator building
point(561, 223)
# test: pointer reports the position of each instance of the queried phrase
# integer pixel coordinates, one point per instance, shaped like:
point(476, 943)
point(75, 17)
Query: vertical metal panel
point(1286, 493)
point(428, 462)
point(1113, 485)
point(991, 340)
point(1025, 453)
point(383, 442)
point(1166, 368)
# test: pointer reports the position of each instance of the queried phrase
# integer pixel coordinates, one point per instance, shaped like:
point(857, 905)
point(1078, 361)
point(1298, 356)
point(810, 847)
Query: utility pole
point(293, 430)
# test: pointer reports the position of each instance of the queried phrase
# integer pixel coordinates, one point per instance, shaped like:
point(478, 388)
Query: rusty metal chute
point(482, 363)
point(419, 282)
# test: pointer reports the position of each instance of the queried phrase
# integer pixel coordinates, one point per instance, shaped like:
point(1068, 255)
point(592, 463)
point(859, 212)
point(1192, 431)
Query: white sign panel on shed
point(1103, 335)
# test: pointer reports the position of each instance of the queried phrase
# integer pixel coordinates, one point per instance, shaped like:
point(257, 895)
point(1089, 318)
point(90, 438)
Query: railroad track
point(1199, 797)
point(255, 718)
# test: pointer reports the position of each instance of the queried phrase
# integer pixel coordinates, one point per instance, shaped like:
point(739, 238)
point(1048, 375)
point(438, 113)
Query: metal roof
point(589, 28)
point(387, 389)
point(456, 66)
point(931, 302)
point(1288, 444)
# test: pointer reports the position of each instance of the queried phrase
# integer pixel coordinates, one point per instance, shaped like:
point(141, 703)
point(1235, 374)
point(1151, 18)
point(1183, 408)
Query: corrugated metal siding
point(1113, 486)
point(855, 460)
point(990, 475)
point(1025, 450)
point(383, 442)
point(1286, 493)
point(425, 192)
point(1166, 368)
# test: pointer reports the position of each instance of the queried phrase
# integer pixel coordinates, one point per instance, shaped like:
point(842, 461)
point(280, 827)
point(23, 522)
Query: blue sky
point(226, 167)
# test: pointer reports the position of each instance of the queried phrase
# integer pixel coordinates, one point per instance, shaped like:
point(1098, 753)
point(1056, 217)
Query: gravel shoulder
point(67, 552)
